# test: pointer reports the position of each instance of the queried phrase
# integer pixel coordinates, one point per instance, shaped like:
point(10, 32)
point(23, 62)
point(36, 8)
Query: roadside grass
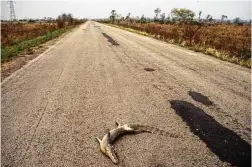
point(16, 32)
point(11, 51)
point(209, 50)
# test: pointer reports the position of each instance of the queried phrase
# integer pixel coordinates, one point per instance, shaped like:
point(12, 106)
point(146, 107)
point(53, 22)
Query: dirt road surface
point(53, 108)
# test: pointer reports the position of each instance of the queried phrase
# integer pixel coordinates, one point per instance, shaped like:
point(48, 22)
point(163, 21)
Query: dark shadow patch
point(200, 98)
point(149, 69)
point(110, 40)
point(225, 143)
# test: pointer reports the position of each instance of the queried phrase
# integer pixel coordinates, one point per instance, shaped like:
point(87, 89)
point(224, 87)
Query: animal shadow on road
point(110, 40)
point(225, 143)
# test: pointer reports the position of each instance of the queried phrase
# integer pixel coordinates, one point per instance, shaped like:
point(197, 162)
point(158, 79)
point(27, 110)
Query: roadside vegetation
point(19, 36)
point(225, 39)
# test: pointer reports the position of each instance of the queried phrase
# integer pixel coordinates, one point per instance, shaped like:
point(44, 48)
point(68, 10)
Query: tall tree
point(113, 15)
point(157, 11)
point(200, 12)
point(182, 14)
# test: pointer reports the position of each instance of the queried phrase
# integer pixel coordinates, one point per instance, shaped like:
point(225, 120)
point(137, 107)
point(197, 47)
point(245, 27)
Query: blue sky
point(102, 8)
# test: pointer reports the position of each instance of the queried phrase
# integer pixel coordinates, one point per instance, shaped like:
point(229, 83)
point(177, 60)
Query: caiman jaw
point(111, 154)
point(108, 150)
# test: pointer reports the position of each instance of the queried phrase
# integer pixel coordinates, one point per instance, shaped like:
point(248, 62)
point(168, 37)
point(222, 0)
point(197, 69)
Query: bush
point(60, 23)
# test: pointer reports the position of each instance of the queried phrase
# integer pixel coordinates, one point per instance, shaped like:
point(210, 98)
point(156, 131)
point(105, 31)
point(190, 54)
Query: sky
point(102, 8)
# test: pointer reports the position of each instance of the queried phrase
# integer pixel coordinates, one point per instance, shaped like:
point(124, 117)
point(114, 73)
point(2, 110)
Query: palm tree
point(200, 12)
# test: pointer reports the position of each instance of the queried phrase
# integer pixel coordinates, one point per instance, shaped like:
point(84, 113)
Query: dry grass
point(12, 51)
point(13, 33)
point(18, 37)
point(225, 41)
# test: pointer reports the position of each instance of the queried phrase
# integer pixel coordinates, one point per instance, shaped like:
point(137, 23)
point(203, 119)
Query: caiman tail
point(139, 128)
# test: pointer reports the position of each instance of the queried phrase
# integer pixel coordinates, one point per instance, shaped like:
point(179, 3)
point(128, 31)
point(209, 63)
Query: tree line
point(63, 20)
point(176, 15)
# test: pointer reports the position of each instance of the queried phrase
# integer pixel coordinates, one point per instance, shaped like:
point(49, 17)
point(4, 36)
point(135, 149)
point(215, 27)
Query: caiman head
point(107, 149)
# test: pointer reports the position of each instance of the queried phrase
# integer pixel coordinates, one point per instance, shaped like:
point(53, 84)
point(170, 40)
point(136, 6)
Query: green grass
point(11, 51)
point(206, 50)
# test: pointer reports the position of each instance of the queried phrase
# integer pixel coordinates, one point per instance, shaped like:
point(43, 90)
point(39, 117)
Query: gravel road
point(54, 107)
